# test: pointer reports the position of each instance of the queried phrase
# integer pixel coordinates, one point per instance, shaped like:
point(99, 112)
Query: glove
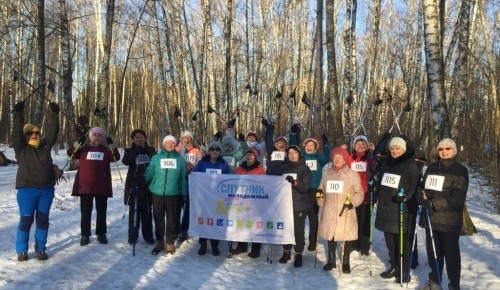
point(231, 123)
point(320, 201)
point(81, 140)
point(54, 107)
point(264, 122)
point(19, 107)
point(399, 198)
point(109, 140)
point(241, 137)
point(295, 129)
point(218, 135)
point(290, 179)
point(319, 193)
point(386, 136)
point(349, 206)
point(324, 138)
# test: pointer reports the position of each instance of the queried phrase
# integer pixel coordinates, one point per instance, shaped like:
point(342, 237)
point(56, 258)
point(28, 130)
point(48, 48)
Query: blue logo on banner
point(220, 222)
point(280, 225)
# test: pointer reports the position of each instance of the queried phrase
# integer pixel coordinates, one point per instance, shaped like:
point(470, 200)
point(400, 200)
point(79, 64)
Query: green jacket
point(167, 181)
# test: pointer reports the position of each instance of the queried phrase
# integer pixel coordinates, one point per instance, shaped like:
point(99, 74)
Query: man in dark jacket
point(35, 179)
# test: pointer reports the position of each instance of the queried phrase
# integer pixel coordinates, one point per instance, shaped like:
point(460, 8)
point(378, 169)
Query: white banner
point(247, 208)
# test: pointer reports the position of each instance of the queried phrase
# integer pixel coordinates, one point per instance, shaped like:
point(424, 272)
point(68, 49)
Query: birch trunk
point(37, 118)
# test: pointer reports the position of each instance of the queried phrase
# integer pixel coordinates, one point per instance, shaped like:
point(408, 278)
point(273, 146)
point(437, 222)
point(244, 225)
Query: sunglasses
point(214, 149)
point(445, 148)
point(31, 133)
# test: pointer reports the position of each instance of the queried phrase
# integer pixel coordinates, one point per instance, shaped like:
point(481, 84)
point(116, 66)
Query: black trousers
point(144, 217)
point(332, 248)
point(312, 215)
point(86, 206)
point(392, 243)
point(363, 214)
point(184, 227)
point(447, 249)
point(299, 220)
point(166, 207)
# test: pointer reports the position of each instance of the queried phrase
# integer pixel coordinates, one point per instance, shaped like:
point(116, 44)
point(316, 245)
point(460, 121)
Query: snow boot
point(332, 263)
point(297, 262)
point(22, 257)
point(240, 248)
point(41, 256)
point(430, 285)
point(215, 250)
point(160, 245)
point(102, 239)
point(85, 240)
point(170, 249)
point(287, 256)
point(203, 249)
point(346, 266)
point(391, 273)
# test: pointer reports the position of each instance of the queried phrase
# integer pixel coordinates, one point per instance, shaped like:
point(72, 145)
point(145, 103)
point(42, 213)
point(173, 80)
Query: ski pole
point(136, 221)
point(413, 247)
point(427, 213)
point(401, 207)
point(346, 203)
point(370, 184)
point(230, 246)
point(319, 194)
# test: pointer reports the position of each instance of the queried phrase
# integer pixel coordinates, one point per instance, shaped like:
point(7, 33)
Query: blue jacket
point(205, 164)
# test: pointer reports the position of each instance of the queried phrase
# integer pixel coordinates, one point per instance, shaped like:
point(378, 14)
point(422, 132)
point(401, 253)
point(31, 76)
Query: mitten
point(19, 107)
point(54, 107)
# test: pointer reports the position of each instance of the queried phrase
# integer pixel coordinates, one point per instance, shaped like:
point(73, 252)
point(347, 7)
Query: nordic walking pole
point(428, 216)
point(401, 206)
point(136, 220)
point(413, 247)
point(319, 194)
point(370, 185)
point(346, 203)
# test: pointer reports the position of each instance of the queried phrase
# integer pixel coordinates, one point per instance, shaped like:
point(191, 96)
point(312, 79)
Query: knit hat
point(187, 133)
point(281, 138)
point(340, 151)
point(450, 143)
point(254, 151)
point(227, 141)
point(398, 141)
point(97, 130)
point(251, 133)
point(293, 147)
point(360, 138)
point(169, 138)
point(214, 144)
point(316, 144)
point(30, 128)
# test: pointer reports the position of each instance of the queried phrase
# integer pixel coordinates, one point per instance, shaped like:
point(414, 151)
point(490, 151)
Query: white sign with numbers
point(168, 163)
point(391, 180)
point(213, 171)
point(334, 186)
point(95, 156)
point(142, 159)
point(229, 160)
point(191, 158)
point(359, 166)
point(278, 155)
point(434, 182)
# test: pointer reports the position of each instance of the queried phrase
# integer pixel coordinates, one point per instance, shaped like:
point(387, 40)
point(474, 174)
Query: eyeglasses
point(445, 148)
point(31, 133)
point(214, 149)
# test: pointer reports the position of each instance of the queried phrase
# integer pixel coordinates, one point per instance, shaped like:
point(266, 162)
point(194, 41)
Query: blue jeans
point(34, 203)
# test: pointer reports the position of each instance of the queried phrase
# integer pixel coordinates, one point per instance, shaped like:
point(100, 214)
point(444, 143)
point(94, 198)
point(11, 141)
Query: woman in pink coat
point(342, 191)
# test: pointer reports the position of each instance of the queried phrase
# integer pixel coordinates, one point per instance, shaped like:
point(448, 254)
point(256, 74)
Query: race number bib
point(391, 180)
point(168, 163)
point(95, 156)
point(278, 155)
point(191, 158)
point(213, 171)
point(358, 166)
point(142, 159)
point(294, 175)
point(229, 160)
point(313, 164)
point(334, 186)
point(434, 182)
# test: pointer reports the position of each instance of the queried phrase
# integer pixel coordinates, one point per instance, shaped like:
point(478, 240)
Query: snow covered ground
point(112, 266)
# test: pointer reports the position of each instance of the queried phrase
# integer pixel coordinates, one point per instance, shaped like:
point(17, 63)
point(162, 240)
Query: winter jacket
point(405, 168)
point(232, 159)
point(273, 166)
point(35, 167)
point(206, 164)
point(190, 153)
point(447, 196)
point(361, 163)
point(254, 169)
point(94, 172)
point(163, 180)
point(259, 146)
point(137, 159)
point(300, 192)
point(333, 226)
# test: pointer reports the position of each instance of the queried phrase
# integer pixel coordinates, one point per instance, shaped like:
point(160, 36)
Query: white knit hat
point(361, 138)
point(187, 133)
point(450, 143)
point(169, 138)
point(398, 141)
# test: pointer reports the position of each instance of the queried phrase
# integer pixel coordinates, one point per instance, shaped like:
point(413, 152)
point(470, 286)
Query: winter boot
point(85, 240)
point(240, 248)
point(287, 256)
point(102, 239)
point(332, 263)
point(430, 285)
point(255, 251)
point(297, 262)
point(215, 250)
point(41, 255)
point(203, 249)
point(160, 245)
point(22, 257)
point(346, 266)
point(149, 240)
point(170, 249)
point(391, 273)
point(451, 287)
point(311, 247)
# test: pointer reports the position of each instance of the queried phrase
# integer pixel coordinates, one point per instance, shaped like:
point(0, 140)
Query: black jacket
point(300, 193)
point(448, 204)
point(387, 219)
point(129, 158)
point(35, 163)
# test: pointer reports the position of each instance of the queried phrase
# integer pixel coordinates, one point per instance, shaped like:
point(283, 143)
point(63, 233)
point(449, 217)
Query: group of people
point(334, 189)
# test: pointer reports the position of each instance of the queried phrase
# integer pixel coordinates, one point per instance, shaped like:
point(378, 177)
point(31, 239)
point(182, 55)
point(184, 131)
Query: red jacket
point(94, 172)
point(254, 169)
point(365, 162)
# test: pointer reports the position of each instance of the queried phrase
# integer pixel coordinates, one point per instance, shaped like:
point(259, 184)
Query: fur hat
point(214, 144)
point(254, 151)
point(450, 143)
point(187, 133)
point(398, 141)
point(316, 144)
point(97, 130)
point(340, 151)
point(169, 138)
point(30, 128)
point(360, 138)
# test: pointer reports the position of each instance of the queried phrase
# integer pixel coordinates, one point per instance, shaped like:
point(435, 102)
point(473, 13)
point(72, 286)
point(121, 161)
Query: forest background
point(338, 67)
